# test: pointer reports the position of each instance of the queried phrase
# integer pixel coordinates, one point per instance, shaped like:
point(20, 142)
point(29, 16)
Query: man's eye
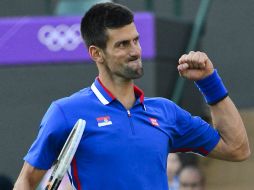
point(135, 40)
point(123, 44)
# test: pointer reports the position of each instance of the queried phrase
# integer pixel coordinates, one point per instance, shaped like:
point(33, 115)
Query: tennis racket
point(66, 155)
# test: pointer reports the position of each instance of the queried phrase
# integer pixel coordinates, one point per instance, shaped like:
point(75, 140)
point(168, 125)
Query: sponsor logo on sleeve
point(154, 121)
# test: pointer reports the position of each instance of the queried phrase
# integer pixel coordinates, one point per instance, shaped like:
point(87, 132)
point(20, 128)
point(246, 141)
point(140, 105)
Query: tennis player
point(128, 137)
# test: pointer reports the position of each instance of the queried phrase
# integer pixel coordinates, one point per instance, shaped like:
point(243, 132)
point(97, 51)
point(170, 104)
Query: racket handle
point(53, 186)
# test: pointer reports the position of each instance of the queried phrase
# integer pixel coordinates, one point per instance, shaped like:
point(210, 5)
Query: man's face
point(190, 180)
point(123, 53)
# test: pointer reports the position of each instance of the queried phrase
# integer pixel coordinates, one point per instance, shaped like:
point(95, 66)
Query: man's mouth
point(133, 59)
point(136, 60)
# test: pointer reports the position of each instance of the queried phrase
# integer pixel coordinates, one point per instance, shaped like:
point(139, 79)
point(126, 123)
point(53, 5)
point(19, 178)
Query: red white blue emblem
point(104, 121)
point(154, 121)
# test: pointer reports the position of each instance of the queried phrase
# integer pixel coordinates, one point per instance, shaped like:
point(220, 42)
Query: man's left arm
point(233, 145)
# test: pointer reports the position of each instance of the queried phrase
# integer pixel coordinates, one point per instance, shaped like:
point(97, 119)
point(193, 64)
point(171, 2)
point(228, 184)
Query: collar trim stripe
point(140, 93)
point(108, 92)
point(99, 95)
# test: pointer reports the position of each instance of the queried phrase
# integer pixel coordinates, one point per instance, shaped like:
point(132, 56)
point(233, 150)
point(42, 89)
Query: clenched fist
point(195, 66)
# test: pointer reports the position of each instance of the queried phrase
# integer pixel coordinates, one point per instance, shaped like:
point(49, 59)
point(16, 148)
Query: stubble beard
point(131, 73)
point(127, 72)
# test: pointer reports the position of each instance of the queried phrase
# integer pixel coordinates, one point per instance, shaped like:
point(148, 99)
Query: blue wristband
point(212, 88)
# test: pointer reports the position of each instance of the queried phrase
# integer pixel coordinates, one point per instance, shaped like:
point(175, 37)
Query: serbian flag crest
point(104, 121)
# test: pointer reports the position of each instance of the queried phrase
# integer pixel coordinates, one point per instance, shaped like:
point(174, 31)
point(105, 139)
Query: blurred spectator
point(191, 178)
point(5, 182)
point(74, 7)
point(189, 159)
point(173, 166)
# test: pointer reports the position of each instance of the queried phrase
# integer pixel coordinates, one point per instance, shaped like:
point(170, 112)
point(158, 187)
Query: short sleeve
point(192, 134)
point(50, 140)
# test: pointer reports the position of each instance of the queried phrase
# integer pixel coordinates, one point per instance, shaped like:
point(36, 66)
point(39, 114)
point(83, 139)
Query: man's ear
point(96, 54)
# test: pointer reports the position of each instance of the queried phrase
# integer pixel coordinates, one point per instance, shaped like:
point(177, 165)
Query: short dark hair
point(101, 17)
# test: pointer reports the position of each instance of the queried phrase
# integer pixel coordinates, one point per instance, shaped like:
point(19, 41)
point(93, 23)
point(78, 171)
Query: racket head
point(66, 155)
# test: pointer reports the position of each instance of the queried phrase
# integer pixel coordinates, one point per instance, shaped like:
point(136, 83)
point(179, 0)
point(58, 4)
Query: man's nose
point(135, 49)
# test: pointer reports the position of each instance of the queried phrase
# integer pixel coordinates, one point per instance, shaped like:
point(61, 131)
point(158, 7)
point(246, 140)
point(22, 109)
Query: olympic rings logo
point(60, 37)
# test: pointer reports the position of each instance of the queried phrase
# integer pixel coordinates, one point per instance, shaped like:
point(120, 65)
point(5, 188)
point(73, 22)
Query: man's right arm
point(29, 177)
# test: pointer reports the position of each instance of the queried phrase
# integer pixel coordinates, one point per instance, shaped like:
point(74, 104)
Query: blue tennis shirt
point(120, 149)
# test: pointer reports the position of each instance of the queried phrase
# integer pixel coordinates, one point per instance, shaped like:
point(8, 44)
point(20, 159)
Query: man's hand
point(195, 66)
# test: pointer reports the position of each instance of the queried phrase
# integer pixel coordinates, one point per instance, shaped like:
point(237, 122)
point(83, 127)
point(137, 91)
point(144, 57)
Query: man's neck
point(122, 89)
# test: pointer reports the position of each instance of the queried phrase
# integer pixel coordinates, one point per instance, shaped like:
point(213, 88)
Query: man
point(191, 178)
point(128, 137)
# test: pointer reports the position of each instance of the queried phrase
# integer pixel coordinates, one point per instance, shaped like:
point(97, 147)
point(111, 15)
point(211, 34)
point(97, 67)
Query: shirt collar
point(105, 96)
